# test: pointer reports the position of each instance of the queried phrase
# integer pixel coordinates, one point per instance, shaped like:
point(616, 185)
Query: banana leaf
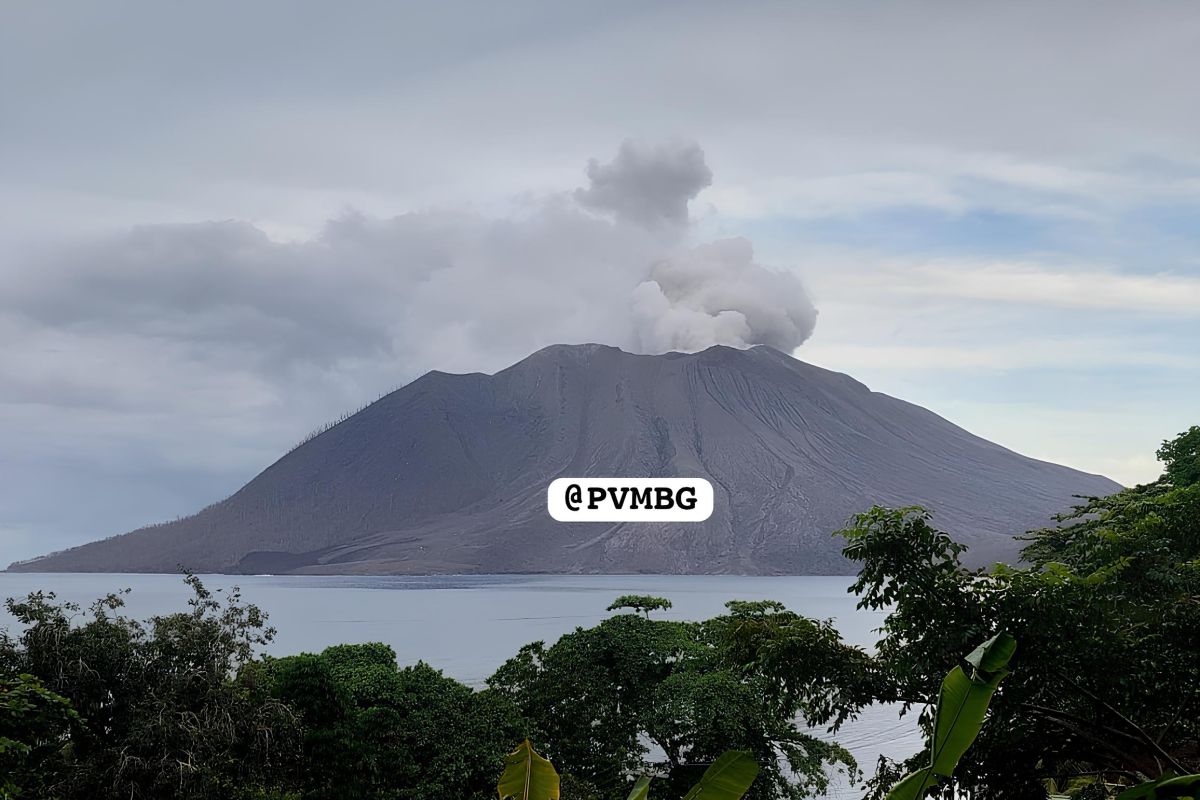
point(1178, 787)
point(993, 655)
point(914, 786)
point(962, 705)
point(641, 789)
point(728, 778)
point(527, 776)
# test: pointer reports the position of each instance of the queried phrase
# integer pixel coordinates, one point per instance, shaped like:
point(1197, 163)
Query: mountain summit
point(449, 473)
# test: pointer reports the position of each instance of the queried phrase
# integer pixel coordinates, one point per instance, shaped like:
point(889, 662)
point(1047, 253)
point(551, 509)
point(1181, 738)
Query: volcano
point(449, 473)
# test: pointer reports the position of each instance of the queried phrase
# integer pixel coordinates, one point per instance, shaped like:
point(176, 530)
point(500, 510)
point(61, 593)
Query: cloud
point(648, 185)
point(844, 194)
point(1046, 285)
point(1020, 354)
point(1053, 283)
point(397, 296)
point(212, 320)
point(717, 294)
point(375, 301)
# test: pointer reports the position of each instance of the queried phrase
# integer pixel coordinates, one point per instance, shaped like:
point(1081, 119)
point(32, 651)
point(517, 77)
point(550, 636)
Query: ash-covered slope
point(449, 474)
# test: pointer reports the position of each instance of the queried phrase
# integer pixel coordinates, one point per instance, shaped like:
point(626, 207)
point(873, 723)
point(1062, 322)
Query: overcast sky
point(223, 224)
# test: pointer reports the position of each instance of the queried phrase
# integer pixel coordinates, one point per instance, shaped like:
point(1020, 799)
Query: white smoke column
point(712, 294)
point(717, 294)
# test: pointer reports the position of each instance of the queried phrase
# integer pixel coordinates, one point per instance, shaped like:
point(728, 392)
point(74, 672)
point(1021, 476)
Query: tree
point(373, 730)
point(159, 711)
point(644, 603)
point(1110, 604)
point(693, 690)
point(1181, 458)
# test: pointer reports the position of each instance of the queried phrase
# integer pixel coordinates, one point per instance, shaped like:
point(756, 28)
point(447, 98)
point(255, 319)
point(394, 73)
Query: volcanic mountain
point(449, 473)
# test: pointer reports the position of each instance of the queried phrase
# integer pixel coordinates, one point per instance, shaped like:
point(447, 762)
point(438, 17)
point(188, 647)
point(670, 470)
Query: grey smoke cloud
point(372, 302)
point(717, 294)
point(647, 184)
point(710, 294)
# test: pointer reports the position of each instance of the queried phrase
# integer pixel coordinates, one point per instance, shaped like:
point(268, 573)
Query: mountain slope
point(449, 473)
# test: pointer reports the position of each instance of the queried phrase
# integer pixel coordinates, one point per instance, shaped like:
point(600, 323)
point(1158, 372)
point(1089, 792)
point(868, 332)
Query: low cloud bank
point(379, 300)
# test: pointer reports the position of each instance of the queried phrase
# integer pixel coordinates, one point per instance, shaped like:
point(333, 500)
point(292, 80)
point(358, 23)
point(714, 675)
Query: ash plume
point(647, 185)
point(717, 294)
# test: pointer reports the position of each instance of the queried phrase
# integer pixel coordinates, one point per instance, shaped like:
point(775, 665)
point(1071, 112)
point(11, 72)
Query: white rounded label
point(630, 499)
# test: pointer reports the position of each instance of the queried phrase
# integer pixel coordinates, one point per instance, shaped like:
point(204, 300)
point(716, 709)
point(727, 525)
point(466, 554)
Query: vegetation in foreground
point(1104, 691)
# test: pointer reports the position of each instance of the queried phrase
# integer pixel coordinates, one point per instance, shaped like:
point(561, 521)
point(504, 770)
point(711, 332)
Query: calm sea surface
point(468, 625)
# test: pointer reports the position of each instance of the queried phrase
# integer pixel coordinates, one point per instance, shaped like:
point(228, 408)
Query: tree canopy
point(156, 708)
point(644, 603)
point(1107, 610)
point(669, 697)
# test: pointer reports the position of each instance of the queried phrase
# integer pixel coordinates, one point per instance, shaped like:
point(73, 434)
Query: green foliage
point(34, 732)
point(641, 789)
point(373, 730)
point(961, 707)
point(914, 785)
point(753, 679)
point(527, 776)
point(96, 705)
point(963, 701)
point(1181, 458)
point(1109, 604)
point(1186, 787)
point(644, 603)
point(728, 778)
point(157, 709)
point(328, 757)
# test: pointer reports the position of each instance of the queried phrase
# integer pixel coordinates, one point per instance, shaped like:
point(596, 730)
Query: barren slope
point(449, 474)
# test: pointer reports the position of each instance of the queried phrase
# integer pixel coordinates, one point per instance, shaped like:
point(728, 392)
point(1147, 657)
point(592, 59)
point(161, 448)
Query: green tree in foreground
point(373, 730)
point(1110, 605)
point(753, 679)
point(96, 705)
point(156, 709)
